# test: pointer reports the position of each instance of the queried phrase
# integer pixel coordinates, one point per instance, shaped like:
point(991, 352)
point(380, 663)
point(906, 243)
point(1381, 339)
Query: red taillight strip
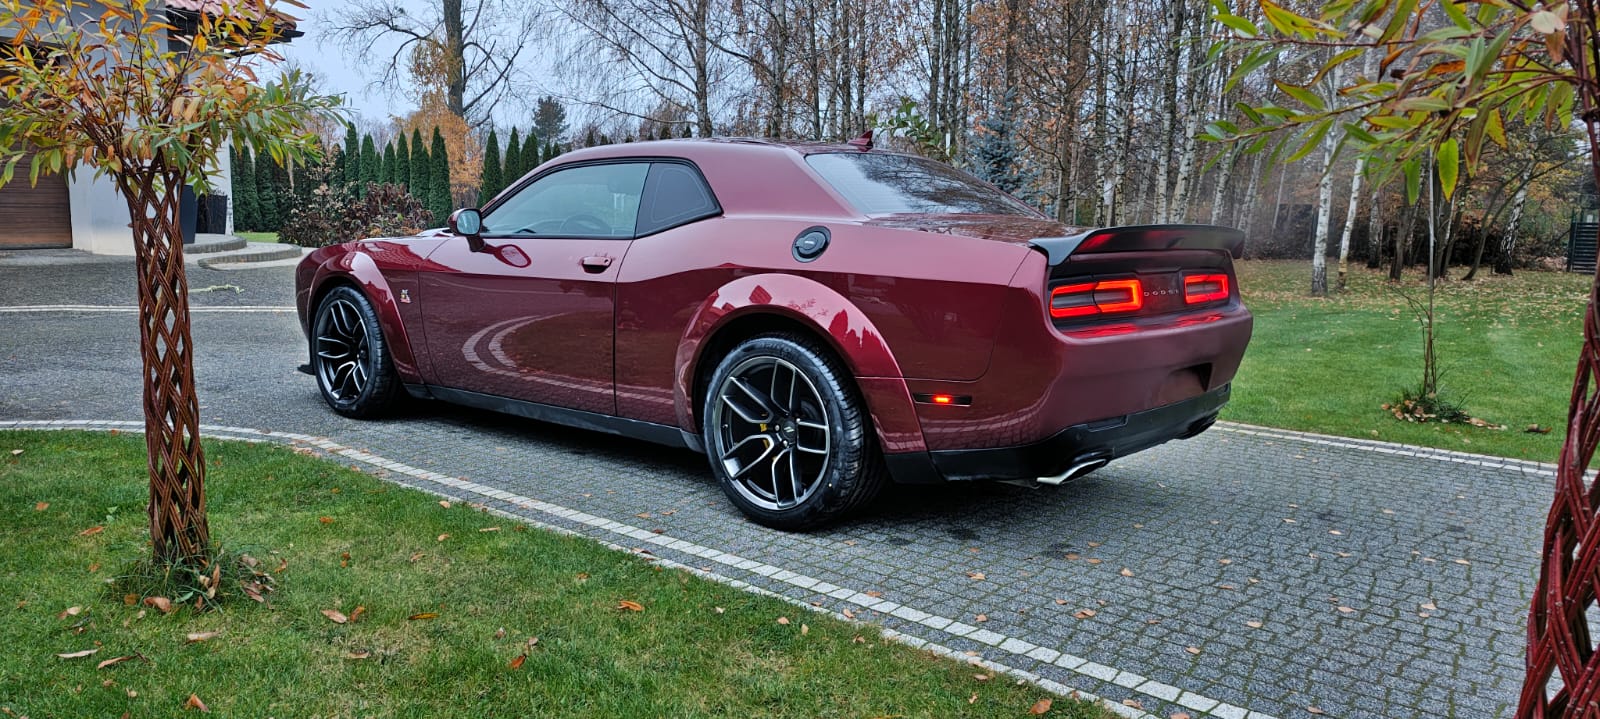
point(1199, 289)
point(1094, 298)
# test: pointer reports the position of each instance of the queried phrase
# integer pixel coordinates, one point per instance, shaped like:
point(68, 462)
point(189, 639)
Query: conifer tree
point(246, 214)
point(352, 156)
point(420, 174)
point(370, 169)
point(439, 195)
point(492, 181)
point(589, 139)
point(336, 162)
point(513, 163)
point(267, 219)
point(388, 164)
point(688, 130)
point(402, 161)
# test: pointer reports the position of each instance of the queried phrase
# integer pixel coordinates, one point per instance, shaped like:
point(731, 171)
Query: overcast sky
point(318, 53)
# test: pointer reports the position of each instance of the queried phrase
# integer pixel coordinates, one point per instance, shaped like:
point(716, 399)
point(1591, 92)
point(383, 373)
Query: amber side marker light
point(951, 400)
point(1199, 289)
point(1096, 298)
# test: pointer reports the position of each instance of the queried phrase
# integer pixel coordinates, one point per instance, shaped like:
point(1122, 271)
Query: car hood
point(1014, 229)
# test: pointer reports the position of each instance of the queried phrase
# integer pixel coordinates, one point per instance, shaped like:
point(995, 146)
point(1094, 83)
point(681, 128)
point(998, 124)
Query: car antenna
point(862, 143)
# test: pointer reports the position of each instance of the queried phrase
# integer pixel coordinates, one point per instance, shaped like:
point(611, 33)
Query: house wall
point(99, 214)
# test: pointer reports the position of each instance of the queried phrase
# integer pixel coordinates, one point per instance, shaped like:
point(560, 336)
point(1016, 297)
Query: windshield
point(883, 184)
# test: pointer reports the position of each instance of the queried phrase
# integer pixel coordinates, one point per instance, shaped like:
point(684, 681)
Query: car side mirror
point(468, 223)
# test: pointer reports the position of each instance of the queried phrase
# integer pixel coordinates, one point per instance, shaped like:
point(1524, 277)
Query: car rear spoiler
point(1142, 238)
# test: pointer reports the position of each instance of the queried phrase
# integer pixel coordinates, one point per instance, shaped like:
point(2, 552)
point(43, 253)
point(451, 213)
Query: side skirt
point(622, 426)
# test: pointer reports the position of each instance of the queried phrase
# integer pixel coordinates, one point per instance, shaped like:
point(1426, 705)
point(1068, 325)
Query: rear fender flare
point(830, 316)
point(356, 268)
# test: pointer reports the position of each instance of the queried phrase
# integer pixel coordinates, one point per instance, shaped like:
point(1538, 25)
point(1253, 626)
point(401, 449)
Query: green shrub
point(334, 214)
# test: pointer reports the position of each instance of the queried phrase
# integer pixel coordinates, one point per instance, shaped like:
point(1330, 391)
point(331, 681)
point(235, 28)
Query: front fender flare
point(831, 317)
point(357, 268)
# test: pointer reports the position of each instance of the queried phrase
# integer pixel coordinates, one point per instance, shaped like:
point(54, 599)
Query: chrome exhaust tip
point(1078, 469)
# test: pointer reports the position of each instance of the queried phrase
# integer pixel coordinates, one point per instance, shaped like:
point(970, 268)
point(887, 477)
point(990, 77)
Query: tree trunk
point(1402, 237)
point(455, 53)
point(1503, 261)
point(1319, 245)
point(1350, 223)
point(178, 530)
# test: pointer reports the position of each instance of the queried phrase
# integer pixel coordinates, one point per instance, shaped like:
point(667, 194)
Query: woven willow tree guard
point(1559, 636)
point(147, 92)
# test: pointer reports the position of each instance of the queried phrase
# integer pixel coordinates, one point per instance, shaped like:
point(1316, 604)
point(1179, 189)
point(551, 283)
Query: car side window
point(599, 201)
point(674, 194)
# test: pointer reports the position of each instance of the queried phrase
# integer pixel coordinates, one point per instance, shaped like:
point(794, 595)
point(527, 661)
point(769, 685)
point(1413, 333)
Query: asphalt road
point(1246, 570)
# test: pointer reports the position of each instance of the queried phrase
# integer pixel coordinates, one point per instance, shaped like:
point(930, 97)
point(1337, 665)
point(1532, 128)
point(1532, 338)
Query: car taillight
point(1093, 298)
point(1199, 289)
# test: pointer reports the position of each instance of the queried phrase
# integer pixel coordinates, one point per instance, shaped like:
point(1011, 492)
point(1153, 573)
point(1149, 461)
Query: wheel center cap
point(788, 430)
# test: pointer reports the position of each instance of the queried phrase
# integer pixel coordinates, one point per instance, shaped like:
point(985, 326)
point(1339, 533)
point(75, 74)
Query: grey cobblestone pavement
point(1246, 570)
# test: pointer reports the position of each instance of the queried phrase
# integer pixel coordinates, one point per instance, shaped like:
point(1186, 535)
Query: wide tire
point(788, 437)
point(350, 357)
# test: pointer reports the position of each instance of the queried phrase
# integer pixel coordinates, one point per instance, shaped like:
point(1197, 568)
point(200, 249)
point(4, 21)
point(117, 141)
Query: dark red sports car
point(817, 319)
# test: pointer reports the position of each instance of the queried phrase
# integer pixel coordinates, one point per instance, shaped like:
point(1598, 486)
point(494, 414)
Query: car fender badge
point(405, 297)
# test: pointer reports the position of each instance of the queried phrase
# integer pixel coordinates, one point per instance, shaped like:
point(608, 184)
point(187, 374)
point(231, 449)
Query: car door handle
point(595, 263)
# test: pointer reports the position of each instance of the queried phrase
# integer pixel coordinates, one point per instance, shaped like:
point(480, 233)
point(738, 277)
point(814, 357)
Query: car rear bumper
point(1090, 442)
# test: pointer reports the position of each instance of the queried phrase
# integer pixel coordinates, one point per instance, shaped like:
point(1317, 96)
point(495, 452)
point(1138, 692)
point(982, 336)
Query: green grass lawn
point(259, 236)
point(1508, 347)
point(340, 540)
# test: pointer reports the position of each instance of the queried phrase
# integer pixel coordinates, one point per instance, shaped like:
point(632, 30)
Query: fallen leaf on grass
point(195, 703)
point(357, 613)
point(1126, 572)
point(804, 630)
point(874, 594)
point(490, 529)
point(444, 536)
point(40, 507)
point(783, 620)
point(1192, 650)
point(253, 590)
point(357, 655)
point(720, 610)
point(69, 612)
point(1430, 606)
point(417, 556)
point(193, 637)
point(16, 452)
point(1537, 429)
point(983, 677)
point(630, 605)
point(115, 660)
point(500, 633)
point(90, 532)
point(78, 655)
point(1084, 613)
point(848, 614)
point(444, 504)
point(517, 663)
point(1347, 610)
point(162, 604)
point(335, 615)
point(1040, 707)
point(982, 617)
point(1133, 703)
point(1060, 602)
point(325, 520)
point(424, 615)
point(1094, 561)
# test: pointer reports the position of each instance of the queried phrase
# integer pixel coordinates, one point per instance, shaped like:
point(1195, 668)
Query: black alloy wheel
point(349, 356)
point(787, 436)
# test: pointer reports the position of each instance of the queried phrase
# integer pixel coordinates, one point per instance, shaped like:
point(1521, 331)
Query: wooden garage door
point(34, 215)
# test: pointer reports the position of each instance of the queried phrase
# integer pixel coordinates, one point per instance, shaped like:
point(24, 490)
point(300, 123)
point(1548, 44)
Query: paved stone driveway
point(1246, 570)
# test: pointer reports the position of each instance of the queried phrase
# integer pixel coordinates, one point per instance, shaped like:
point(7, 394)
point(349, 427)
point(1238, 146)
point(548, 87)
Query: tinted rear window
point(894, 184)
